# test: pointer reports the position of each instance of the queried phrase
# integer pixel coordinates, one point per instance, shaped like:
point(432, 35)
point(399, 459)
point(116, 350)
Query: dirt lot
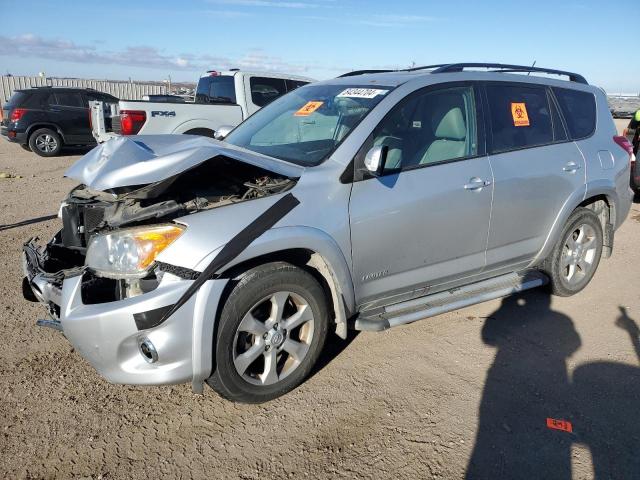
point(463, 392)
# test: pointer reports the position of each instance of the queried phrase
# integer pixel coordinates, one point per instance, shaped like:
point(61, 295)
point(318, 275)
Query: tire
point(203, 132)
point(45, 142)
point(575, 257)
point(26, 147)
point(242, 359)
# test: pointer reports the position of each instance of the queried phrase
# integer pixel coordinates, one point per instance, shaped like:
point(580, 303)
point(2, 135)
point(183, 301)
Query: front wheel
point(576, 256)
point(271, 332)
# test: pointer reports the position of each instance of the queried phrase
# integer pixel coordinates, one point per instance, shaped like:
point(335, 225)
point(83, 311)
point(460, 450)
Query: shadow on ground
point(333, 347)
point(528, 383)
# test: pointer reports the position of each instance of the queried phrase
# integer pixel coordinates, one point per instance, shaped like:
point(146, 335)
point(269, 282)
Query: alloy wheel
point(578, 254)
point(46, 143)
point(273, 338)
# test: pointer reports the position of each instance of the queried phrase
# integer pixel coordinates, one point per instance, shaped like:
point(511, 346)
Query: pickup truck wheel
point(45, 142)
point(271, 331)
point(576, 256)
point(203, 132)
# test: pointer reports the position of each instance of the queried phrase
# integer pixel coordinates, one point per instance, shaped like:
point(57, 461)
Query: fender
point(308, 238)
point(591, 189)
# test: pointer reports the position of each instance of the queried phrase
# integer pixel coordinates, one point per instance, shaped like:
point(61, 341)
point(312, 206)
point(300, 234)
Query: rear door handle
point(475, 184)
point(571, 167)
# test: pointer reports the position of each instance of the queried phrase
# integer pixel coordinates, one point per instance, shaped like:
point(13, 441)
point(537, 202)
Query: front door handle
point(476, 184)
point(571, 167)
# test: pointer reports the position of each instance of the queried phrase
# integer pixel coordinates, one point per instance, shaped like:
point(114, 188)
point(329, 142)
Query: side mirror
point(375, 158)
point(222, 132)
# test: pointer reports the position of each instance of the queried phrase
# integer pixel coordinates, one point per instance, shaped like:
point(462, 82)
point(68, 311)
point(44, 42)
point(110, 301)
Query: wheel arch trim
point(52, 126)
point(598, 188)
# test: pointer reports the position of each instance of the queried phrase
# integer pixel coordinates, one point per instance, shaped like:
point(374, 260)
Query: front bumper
point(105, 334)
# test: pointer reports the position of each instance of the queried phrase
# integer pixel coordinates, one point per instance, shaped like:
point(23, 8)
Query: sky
point(152, 40)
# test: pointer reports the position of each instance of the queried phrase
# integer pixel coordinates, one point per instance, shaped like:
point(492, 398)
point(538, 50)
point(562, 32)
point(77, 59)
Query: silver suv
point(366, 201)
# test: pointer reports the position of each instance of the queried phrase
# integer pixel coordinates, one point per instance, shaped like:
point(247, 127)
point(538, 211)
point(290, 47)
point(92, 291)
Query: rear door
point(70, 111)
point(425, 221)
point(535, 166)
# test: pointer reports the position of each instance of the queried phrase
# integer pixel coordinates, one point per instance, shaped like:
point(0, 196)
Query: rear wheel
point(576, 256)
point(271, 331)
point(45, 142)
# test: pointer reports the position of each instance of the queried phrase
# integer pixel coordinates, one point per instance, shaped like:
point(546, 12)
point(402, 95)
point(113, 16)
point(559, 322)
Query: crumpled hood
point(145, 159)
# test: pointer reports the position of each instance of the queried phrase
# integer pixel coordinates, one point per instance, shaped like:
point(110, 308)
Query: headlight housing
point(129, 253)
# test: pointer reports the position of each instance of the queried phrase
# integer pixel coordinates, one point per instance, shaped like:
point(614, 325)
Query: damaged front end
point(88, 212)
point(99, 278)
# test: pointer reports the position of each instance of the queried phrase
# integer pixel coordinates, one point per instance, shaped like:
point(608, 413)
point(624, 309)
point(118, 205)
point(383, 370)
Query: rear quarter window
point(520, 117)
point(579, 111)
point(17, 99)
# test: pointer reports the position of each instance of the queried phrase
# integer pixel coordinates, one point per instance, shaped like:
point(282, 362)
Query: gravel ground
point(463, 393)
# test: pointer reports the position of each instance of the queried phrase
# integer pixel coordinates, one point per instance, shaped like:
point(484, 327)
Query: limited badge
point(308, 109)
point(519, 114)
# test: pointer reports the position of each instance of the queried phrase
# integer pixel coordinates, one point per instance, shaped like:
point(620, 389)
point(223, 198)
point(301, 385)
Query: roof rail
point(363, 72)
point(506, 68)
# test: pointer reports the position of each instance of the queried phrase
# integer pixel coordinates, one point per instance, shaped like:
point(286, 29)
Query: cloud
point(376, 20)
point(30, 45)
point(265, 3)
point(228, 14)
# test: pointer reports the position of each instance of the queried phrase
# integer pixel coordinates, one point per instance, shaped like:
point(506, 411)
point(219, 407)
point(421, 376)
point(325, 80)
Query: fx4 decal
point(159, 113)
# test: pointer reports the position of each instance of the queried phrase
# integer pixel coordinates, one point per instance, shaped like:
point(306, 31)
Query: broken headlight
point(128, 253)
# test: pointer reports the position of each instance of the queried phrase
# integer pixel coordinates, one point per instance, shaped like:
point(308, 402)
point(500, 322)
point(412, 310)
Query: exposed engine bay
point(214, 183)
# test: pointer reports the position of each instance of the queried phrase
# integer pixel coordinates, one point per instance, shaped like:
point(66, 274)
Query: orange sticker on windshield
point(519, 114)
point(308, 109)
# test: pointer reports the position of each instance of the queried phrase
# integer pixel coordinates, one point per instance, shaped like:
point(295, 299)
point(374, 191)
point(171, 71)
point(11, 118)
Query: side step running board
point(442, 302)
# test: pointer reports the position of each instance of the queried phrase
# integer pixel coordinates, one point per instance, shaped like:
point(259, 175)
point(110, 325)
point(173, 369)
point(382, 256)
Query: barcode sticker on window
point(361, 92)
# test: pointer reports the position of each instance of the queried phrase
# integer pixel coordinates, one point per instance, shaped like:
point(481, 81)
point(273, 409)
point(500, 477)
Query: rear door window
point(216, 89)
point(265, 90)
point(579, 111)
point(37, 100)
point(69, 99)
point(520, 116)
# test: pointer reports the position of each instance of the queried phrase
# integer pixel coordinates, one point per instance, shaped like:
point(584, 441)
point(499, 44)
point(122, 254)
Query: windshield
point(307, 125)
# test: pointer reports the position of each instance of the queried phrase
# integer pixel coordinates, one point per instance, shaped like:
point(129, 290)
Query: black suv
point(44, 119)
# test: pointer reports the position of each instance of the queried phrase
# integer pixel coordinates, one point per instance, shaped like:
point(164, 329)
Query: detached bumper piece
point(45, 267)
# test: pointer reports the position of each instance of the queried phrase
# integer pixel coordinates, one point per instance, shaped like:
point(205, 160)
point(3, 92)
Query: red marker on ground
point(563, 425)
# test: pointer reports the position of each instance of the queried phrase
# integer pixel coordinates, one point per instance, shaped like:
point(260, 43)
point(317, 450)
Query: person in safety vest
point(633, 131)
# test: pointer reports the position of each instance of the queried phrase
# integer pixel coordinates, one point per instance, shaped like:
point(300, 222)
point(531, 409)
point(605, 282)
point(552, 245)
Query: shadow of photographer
point(528, 382)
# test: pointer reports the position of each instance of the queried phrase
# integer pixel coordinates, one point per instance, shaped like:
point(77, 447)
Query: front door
point(424, 222)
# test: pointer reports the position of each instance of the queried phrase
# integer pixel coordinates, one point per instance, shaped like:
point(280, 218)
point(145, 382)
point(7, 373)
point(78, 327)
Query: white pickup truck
point(222, 98)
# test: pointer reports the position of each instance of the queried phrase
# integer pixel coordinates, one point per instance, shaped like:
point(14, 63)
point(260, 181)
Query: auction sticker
point(308, 108)
point(361, 92)
point(519, 114)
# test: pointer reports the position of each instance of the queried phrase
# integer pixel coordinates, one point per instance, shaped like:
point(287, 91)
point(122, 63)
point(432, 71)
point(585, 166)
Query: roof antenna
point(532, 65)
